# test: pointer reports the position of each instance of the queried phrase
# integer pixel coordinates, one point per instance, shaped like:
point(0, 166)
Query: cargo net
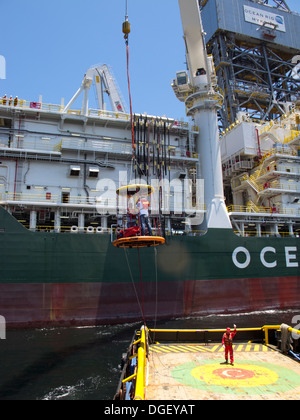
point(138, 215)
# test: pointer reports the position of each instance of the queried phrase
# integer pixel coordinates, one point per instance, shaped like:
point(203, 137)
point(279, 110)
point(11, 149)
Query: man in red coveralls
point(227, 344)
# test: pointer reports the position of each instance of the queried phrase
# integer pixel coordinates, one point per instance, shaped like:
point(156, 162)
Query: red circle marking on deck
point(234, 373)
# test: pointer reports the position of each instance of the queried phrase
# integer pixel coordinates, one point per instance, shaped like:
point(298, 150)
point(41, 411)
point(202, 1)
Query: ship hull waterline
point(57, 279)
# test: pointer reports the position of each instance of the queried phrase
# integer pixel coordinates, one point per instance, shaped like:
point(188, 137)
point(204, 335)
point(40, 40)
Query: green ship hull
point(67, 279)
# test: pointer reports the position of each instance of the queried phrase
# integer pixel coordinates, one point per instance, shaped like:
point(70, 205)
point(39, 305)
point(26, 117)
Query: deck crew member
point(143, 207)
point(227, 344)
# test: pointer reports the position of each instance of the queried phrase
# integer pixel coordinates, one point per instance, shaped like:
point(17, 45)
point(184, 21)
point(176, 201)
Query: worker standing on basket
point(143, 207)
point(227, 344)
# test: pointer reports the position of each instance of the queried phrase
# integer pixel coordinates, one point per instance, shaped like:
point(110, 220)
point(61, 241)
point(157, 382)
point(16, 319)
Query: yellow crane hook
point(126, 28)
point(126, 24)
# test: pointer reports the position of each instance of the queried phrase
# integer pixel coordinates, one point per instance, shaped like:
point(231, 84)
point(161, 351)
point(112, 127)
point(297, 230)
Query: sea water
point(83, 363)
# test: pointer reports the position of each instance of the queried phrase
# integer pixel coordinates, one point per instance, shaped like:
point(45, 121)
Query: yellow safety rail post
point(129, 378)
point(266, 329)
point(142, 366)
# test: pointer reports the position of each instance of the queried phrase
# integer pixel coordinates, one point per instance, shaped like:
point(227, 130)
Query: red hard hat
point(228, 329)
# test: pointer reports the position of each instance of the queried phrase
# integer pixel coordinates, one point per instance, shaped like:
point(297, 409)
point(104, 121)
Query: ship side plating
point(67, 279)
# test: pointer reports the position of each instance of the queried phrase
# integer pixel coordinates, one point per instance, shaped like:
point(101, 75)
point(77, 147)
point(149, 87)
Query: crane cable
point(142, 289)
point(133, 284)
point(126, 32)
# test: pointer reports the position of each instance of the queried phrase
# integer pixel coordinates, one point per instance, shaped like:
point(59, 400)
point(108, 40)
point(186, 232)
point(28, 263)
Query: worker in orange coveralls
point(227, 344)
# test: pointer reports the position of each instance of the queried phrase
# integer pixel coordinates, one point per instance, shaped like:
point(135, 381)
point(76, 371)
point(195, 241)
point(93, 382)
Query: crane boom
point(106, 76)
point(201, 74)
point(202, 99)
point(105, 83)
point(193, 35)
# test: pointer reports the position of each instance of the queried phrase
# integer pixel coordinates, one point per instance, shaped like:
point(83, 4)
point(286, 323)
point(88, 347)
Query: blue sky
point(49, 45)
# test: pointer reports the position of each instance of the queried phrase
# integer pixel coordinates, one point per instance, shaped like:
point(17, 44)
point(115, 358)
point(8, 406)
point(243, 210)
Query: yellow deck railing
point(267, 328)
point(141, 373)
point(142, 367)
point(294, 135)
point(258, 209)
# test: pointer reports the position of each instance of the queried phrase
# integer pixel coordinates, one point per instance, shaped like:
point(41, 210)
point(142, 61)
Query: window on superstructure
point(74, 170)
point(93, 173)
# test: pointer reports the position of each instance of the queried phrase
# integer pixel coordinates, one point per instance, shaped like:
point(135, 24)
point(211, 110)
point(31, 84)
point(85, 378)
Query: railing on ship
point(49, 198)
point(264, 234)
point(97, 229)
point(290, 186)
point(266, 210)
point(31, 145)
point(111, 146)
point(40, 106)
point(252, 209)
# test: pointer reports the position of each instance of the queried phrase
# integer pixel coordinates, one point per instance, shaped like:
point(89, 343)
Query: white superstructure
point(57, 162)
point(261, 170)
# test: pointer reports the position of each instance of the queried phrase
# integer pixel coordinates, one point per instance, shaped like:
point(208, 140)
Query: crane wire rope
point(142, 288)
point(141, 305)
point(156, 287)
point(126, 31)
point(133, 284)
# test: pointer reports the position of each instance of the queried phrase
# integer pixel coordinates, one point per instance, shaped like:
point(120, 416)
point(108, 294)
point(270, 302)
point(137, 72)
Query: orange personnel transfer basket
point(139, 241)
point(128, 235)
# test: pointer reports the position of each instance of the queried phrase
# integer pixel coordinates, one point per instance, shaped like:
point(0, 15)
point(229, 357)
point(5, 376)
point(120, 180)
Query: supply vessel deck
point(168, 365)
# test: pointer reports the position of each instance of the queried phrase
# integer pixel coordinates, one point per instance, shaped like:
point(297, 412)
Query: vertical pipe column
point(33, 217)
point(258, 229)
point(291, 230)
point(57, 221)
point(81, 222)
point(210, 164)
point(104, 223)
